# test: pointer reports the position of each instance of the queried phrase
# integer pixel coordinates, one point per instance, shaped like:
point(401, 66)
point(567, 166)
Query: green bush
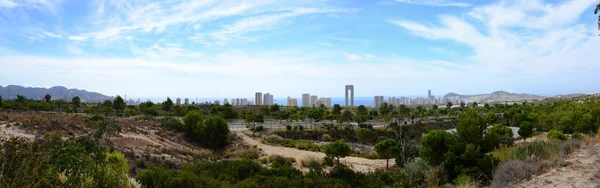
point(288, 127)
point(172, 123)
point(554, 134)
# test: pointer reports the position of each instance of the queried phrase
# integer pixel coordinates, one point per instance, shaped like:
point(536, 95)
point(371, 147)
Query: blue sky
point(221, 48)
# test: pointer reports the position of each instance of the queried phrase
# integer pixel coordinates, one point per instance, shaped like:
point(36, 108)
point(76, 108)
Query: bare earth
point(583, 171)
point(358, 164)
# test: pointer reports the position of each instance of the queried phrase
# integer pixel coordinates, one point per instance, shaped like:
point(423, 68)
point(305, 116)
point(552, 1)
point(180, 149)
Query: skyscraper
point(351, 88)
point(258, 98)
point(292, 101)
point(377, 101)
point(306, 100)
point(313, 100)
point(178, 101)
point(326, 102)
point(267, 99)
point(225, 101)
point(186, 101)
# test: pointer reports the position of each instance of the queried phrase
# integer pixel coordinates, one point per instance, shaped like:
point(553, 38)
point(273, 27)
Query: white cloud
point(78, 38)
point(52, 35)
point(443, 3)
point(7, 3)
point(324, 44)
point(443, 51)
point(518, 53)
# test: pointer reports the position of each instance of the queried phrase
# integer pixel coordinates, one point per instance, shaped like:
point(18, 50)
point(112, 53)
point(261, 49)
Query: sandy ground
point(358, 164)
point(583, 171)
point(12, 131)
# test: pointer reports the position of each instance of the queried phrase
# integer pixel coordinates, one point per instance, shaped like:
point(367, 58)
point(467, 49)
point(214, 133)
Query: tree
point(338, 149)
point(434, 107)
point(76, 101)
point(167, 105)
point(407, 149)
point(119, 104)
point(0, 101)
point(502, 135)
point(384, 111)
point(215, 132)
point(47, 98)
point(386, 149)
point(471, 126)
point(525, 130)
point(316, 114)
point(486, 106)
point(448, 105)
point(462, 104)
point(596, 12)
point(337, 109)
point(191, 120)
point(21, 99)
point(434, 145)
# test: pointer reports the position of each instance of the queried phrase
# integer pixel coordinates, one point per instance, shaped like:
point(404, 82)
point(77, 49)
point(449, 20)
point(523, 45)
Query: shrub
point(172, 123)
point(554, 134)
point(577, 136)
point(300, 127)
point(571, 145)
point(365, 135)
point(276, 161)
point(248, 154)
point(310, 162)
point(531, 151)
point(326, 138)
point(288, 127)
point(258, 128)
point(512, 171)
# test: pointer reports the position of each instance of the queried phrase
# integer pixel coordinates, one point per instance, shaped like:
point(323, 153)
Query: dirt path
point(358, 164)
point(583, 171)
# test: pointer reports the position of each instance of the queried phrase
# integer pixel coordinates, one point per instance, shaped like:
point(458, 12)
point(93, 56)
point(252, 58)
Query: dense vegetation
point(425, 154)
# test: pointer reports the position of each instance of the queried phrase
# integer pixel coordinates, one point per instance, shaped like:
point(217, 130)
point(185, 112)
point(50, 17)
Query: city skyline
point(387, 47)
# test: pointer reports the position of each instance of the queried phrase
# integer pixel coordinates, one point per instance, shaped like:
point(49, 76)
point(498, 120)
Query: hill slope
point(57, 92)
point(494, 97)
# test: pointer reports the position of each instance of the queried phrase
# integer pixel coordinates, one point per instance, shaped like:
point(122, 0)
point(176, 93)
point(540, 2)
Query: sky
point(224, 48)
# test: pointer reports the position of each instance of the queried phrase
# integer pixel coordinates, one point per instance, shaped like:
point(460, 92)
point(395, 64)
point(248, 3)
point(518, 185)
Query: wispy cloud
point(7, 3)
point(499, 46)
point(444, 3)
point(324, 44)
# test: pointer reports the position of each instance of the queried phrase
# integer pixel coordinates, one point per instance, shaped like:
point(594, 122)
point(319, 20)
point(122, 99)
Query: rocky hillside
point(57, 92)
point(494, 97)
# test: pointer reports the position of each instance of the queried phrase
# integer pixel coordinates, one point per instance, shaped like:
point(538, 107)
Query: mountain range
point(494, 97)
point(57, 92)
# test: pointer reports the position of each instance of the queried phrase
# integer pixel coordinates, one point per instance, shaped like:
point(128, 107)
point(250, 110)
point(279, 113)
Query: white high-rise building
point(292, 101)
point(313, 100)
point(351, 88)
point(225, 101)
point(326, 102)
point(377, 101)
point(258, 98)
point(268, 99)
point(306, 100)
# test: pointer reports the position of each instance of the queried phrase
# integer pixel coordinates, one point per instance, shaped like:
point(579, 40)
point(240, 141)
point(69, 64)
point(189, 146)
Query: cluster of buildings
point(310, 100)
point(430, 100)
point(260, 99)
point(186, 101)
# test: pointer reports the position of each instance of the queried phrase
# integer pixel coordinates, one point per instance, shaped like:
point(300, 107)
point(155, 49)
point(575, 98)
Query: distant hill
point(57, 92)
point(494, 97)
